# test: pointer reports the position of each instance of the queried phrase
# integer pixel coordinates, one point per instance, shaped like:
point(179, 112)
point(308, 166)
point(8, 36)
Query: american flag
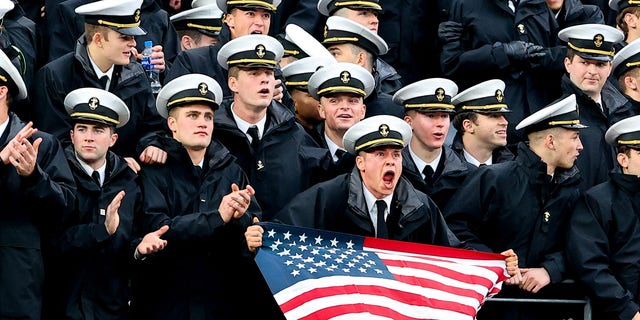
point(315, 274)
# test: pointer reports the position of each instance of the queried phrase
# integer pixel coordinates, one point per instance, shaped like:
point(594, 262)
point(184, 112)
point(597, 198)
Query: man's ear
point(171, 123)
point(233, 84)
point(360, 163)
point(623, 160)
point(550, 141)
point(98, 39)
point(361, 59)
point(187, 42)
point(467, 126)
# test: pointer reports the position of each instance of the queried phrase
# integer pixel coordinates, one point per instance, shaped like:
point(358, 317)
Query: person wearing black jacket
point(588, 66)
point(65, 27)
point(373, 199)
point(102, 60)
point(241, 18)
point(89, 276)
point(427, 163)
point(603, 238)
point(203, 195)
point(36, 191)
point(525, 205)
point(481, 124)
point(341, 106)
point(517, 44)
point(627, 75)
point(349, 41)
point(262, 133)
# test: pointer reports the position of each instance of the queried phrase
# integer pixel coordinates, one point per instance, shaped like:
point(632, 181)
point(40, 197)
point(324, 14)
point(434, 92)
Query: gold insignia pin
point(521, 28)
point(598, 40)
point(440, 94)
point(499, 95)
point(136, 16)
point(547, 215)
point(326, 32)
point(345, 76)
point(94, 103)
point(260, 165)
point(203, 88)
point(384, 130)
point(260, 51)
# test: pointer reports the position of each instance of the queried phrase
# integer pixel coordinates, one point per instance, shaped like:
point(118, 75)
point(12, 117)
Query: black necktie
point(482, 165)
point(198, 170)
point(381, 224)
point(339, 154)
point(428, 174)
point(96, 177)
point(103, 82)
point(253, 132)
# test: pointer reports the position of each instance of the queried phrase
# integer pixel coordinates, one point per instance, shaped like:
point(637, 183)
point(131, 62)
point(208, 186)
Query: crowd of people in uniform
point(504, 126)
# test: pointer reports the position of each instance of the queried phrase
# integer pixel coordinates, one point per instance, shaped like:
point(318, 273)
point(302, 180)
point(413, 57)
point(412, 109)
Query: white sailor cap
point(626, 59)
point(96, 105)
point(625, 132)
point(251, 51)
point(341, 77)
point(619, 5)
point(375, 132)
point(206, 20)
point(300, 44)
point(428, 95)
point(297, 73)
point(202, 3)
point(340, 30)
point(10, 77)
point(484, 97)
point(189, 89)
point(561, 113)
point(122, 16)
point(5, 6)
point(228, 5)
point(329, 7)
point(592, 41)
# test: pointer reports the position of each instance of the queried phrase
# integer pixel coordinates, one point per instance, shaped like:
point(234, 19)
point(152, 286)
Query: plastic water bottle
point(152, 73)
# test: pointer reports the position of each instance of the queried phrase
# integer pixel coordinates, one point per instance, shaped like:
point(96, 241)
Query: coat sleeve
point(588, 252)
point(48, 103)
point(51, 185)
point(466, 209)
point(457, 61)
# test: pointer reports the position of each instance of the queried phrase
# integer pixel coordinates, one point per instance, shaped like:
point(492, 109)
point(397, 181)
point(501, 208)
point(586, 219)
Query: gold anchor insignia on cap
point(598, 40)
point(260, 165)
point(203, 88)
point(345, 76)
point(136, 16)
point(499, 95)
point(94, 103)
point(384, 130)
point(440, 94)
point(521, 28)
point(260, 51)
point(547, 215)
point(326, 32)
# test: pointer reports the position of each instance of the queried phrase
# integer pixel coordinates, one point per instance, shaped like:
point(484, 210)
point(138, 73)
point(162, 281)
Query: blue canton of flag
point(302, 254)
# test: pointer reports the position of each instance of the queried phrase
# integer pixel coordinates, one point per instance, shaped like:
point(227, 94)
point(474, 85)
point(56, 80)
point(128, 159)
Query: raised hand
point(112, 218)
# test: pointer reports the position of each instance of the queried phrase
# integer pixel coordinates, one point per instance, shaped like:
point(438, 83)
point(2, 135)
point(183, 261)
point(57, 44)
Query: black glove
point(518, 51)
point(449, 31)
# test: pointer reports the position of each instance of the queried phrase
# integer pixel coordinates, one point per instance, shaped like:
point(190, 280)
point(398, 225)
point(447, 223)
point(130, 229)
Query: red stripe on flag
point(394, 294)
point(336, 311)
point(443, 271)
point(419, 248)
point(426, 283)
